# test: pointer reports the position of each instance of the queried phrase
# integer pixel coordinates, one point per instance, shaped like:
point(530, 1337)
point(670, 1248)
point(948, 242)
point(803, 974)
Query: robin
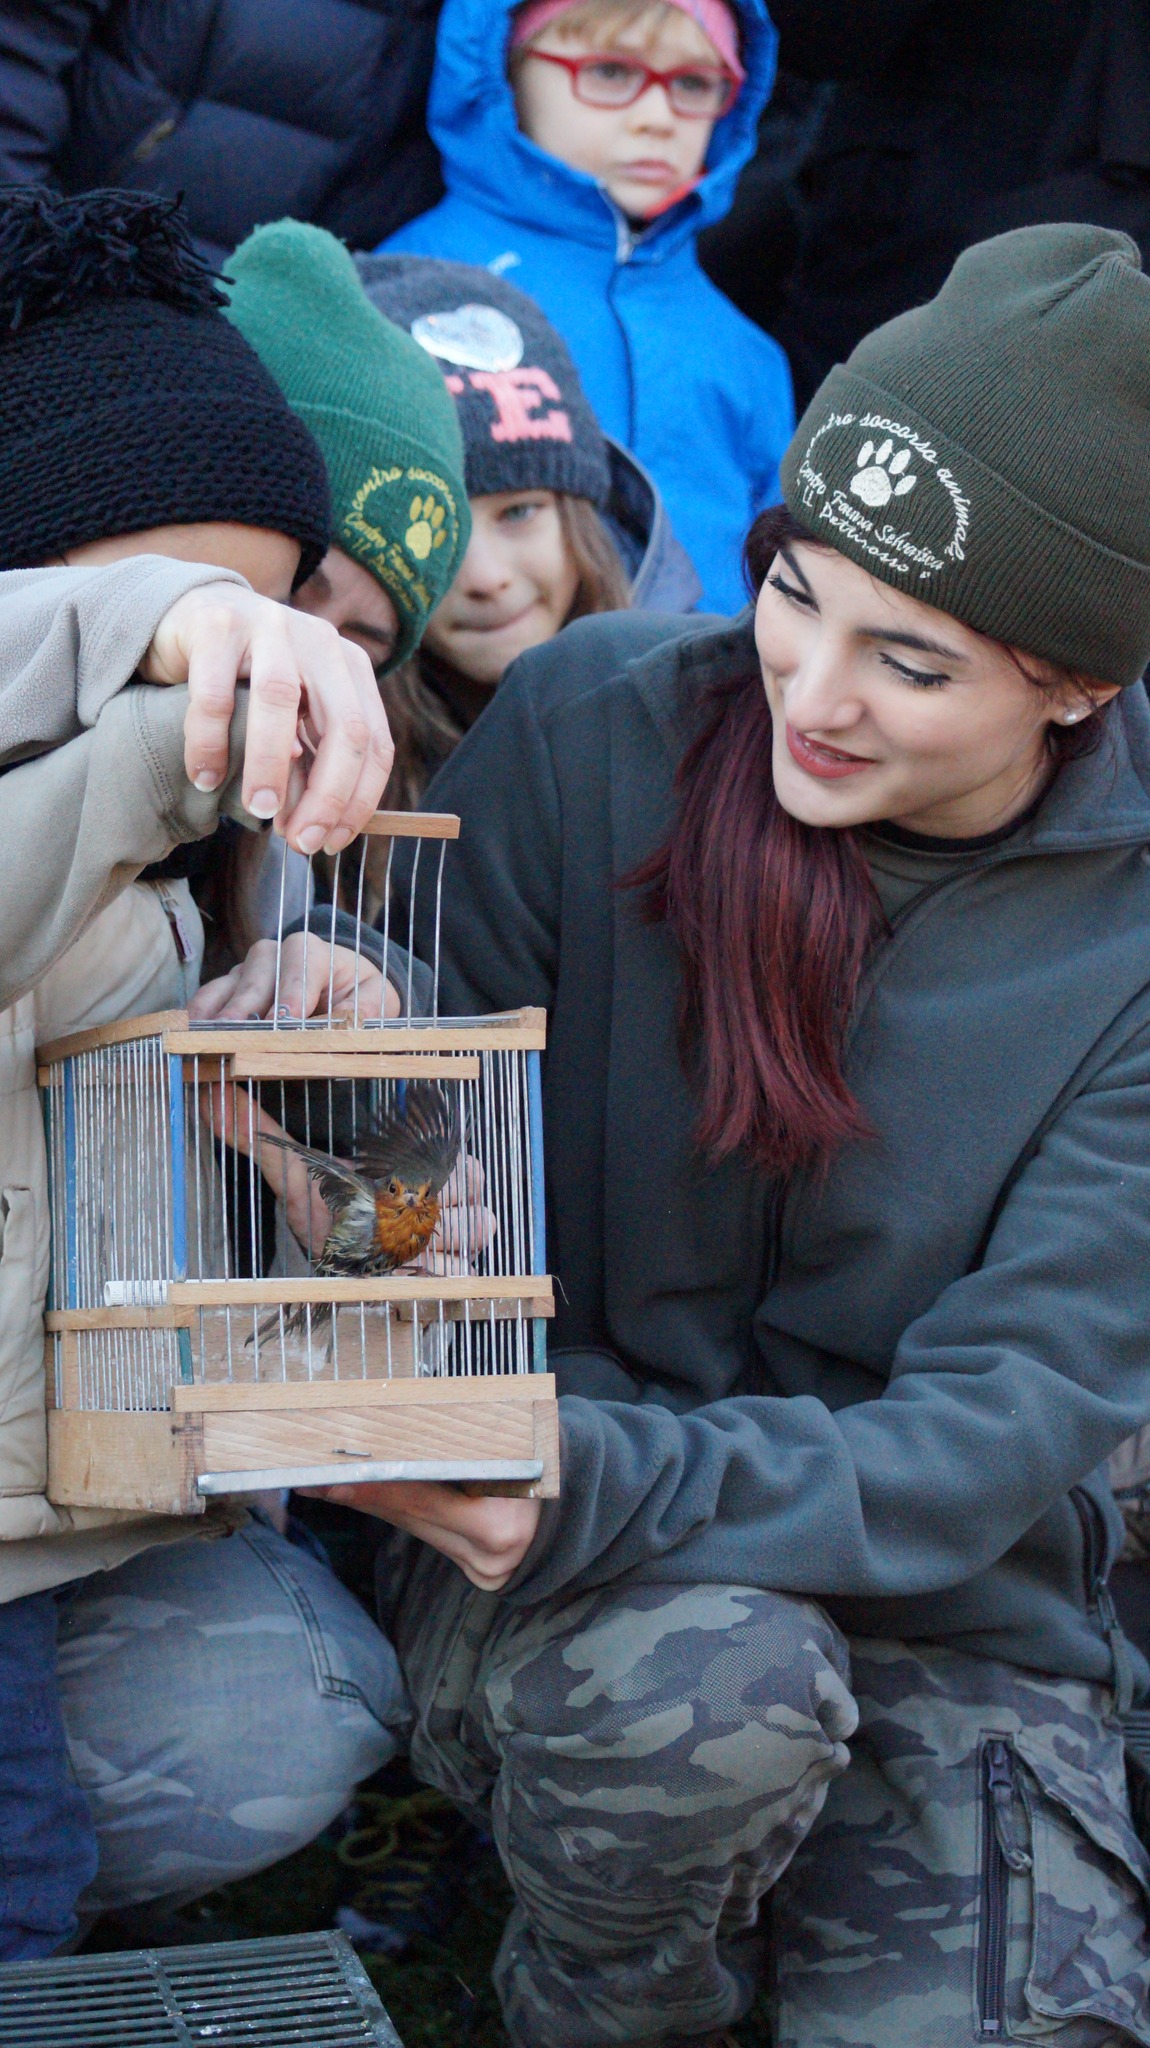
point(384, 1204)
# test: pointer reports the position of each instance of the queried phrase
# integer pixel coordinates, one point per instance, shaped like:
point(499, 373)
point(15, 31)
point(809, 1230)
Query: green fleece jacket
point(895, 1390)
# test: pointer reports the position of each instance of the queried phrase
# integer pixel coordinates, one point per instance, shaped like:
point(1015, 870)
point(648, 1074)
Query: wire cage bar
point(190, 1264)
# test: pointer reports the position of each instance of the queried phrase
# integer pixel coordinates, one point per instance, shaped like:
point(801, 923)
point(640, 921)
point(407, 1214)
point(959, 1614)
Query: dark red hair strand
point(773, 920)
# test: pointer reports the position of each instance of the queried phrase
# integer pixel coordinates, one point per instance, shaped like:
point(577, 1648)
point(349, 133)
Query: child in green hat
point(377, 405)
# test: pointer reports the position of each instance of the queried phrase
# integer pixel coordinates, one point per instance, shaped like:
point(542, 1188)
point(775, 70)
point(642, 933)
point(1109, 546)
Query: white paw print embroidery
point(874, 478)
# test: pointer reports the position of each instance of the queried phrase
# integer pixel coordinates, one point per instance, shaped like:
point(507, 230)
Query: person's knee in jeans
point(47, 1838)
point(222, 1700)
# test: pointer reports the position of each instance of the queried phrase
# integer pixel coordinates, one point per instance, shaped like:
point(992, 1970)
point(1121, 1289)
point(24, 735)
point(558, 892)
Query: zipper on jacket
point(1002, 1852)
point(625, 236)
point(1101, 1599)
point(185, 951)
point(624, 250)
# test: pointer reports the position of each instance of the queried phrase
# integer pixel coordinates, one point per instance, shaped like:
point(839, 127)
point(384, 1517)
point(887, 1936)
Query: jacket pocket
point(1002, 1852)
point(1087, 1981)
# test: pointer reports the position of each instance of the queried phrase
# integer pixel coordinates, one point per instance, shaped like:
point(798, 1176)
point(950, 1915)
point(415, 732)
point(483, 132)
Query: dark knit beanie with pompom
point(127, 400)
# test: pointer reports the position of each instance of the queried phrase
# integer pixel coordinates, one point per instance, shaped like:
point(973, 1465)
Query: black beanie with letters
point(524, 416)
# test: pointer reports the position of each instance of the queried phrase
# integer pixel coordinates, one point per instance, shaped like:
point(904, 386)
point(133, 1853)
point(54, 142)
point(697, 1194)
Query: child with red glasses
point(585, 143)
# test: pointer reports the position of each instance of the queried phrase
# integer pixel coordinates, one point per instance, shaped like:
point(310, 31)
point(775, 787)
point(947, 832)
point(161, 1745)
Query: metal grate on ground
point(305, 1988)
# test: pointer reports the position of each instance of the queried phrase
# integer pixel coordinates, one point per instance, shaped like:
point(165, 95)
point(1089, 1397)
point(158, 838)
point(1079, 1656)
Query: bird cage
point(308, 1250)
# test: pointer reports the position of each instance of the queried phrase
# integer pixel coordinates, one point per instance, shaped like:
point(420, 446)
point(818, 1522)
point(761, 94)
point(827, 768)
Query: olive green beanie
point(376, 404)
point(989, 452)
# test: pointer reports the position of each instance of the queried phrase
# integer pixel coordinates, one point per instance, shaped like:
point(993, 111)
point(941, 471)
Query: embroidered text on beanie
point(376, 405)
point(989, 452)
point(526, 423)
point(126, 399)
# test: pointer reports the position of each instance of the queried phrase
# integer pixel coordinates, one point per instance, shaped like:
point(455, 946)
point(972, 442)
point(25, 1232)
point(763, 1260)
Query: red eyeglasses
point(701, 92)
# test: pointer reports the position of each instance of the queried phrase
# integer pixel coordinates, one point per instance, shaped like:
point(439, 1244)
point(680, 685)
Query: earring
point(1072, 718)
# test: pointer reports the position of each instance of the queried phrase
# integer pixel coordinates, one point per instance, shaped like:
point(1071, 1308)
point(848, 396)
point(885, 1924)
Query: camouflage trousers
point(221, 1701)
point(667, 1773)
point(974, 1875)
point(659, 1763)
point(648, 1758)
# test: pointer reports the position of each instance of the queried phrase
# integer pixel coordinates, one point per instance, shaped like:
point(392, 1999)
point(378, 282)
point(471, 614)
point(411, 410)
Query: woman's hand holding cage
point(488, 1538)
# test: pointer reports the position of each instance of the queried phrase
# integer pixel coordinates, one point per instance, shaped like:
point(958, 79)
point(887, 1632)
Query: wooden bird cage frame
point(192, 1351)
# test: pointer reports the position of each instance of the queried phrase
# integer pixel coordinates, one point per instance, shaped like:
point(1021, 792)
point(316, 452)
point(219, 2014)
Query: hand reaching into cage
point(309, 692)
point(361, 1225)
point(312, 976)
point(235, 1116)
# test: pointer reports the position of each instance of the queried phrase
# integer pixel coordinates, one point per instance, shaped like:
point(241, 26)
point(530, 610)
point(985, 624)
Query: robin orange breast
point(405, 1220)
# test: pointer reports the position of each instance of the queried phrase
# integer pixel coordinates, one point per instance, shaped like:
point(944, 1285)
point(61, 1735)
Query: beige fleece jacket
point(98, 791)
point(93, 787)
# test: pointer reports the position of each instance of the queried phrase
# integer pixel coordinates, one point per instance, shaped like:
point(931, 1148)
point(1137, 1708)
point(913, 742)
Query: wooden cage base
point(497, 1435)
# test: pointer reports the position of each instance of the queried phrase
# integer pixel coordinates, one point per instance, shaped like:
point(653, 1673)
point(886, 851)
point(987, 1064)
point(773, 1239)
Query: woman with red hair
point(841, 915)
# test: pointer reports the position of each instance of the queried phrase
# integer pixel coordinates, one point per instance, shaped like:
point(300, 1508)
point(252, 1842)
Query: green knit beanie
point(989, 452)
point(377, 405)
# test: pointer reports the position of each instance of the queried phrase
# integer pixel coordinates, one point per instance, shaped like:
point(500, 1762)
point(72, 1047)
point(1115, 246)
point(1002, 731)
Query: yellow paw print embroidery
point(426, 529)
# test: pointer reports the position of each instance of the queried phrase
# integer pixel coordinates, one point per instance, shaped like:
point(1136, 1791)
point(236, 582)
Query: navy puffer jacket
point(252, 108)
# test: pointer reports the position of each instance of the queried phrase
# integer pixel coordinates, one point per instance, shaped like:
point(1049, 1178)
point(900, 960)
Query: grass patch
point(439, 1993)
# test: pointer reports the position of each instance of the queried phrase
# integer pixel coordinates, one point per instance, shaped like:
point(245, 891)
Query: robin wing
point(339, 1183)
point(416, 1144)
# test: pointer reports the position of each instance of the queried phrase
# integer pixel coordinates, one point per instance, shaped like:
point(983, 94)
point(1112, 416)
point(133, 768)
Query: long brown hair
point(424, 725)
point(774, 919)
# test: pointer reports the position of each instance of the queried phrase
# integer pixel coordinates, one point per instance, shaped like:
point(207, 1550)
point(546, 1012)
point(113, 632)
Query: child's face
point(641, 154)
point(515, 586)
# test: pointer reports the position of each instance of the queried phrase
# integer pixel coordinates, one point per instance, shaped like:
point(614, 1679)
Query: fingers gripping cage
point(213, 1327)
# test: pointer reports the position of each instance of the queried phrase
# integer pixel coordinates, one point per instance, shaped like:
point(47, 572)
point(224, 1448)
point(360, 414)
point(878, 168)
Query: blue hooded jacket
point(673, 370)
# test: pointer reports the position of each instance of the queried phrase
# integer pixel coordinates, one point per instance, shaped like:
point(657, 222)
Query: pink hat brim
point(714, 17)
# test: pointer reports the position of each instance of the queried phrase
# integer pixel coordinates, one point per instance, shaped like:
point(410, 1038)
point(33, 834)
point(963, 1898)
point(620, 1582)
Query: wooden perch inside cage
point(203, 1337)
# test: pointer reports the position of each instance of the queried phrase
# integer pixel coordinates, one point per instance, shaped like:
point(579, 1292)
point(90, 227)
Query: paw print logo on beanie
point(426, 530)
point(855, 476)
point(404, 525)
point(880, 475)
